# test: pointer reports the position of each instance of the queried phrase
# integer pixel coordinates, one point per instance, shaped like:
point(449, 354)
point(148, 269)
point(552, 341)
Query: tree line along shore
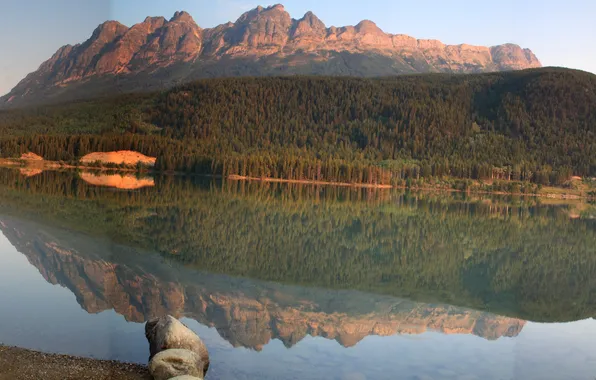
point(518, 130)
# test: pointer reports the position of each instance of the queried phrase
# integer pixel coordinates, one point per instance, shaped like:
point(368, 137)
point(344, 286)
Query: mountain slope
point(158, 53)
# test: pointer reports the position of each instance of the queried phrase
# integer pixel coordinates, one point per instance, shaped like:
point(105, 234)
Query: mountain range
point(158, 53)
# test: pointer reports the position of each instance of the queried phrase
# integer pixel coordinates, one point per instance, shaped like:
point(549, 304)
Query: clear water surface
point(300, 282)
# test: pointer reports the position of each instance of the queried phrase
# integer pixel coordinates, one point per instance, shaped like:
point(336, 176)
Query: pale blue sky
point(561, 33)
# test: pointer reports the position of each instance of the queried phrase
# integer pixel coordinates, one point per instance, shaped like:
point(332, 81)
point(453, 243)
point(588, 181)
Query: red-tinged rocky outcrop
point(158, 53)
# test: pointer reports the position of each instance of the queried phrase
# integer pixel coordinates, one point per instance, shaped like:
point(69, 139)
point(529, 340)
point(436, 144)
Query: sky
point(560, 33)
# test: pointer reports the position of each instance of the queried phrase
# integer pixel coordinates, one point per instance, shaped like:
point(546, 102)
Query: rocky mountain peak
point(367, 26)
point(313, 21)
point(262, 27)
point(263, 41)
point(308, 25)
point(274, 12)
point(108, 30)
point(182, 16)
point(249, 15)
point(154, 22)
point(514, 56)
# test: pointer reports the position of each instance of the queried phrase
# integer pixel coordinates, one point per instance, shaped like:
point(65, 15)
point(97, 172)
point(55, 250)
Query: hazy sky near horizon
point(559, 33)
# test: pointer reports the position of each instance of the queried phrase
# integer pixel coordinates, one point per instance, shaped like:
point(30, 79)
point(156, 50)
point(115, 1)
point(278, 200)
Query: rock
point(185, 377)
point(179, 45)
point(176, 363)
point(167, 333)
point(29, 156)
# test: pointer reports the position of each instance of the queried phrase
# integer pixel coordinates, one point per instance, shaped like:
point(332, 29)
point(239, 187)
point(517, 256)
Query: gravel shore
point(20, 364)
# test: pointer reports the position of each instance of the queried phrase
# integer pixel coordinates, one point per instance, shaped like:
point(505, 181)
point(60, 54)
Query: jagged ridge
point(157, 53)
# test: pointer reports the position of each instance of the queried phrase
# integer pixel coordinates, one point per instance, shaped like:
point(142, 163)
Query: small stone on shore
point(171, 363)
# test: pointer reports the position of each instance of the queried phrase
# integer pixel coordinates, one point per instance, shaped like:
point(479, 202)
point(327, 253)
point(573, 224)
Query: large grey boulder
point(185, 377)
point(169, 333)
point(176, 362)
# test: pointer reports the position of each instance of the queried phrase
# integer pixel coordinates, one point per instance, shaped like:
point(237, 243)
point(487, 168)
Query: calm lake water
point(300, 282)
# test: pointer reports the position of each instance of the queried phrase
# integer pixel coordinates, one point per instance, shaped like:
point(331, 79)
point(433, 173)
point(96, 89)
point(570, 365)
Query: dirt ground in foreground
point(21, 364)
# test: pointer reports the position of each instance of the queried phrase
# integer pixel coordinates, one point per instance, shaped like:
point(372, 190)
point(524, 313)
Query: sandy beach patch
point(127, 157)
point(31, 157)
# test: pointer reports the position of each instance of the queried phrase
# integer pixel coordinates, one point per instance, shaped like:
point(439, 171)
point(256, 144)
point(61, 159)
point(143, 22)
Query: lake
point(300, 282)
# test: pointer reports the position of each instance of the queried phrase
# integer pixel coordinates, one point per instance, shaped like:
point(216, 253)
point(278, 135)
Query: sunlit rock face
point(247, 313)
point(157, 53)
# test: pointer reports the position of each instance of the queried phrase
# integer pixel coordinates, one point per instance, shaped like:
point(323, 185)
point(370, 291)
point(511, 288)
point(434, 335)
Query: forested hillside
point(534, 125)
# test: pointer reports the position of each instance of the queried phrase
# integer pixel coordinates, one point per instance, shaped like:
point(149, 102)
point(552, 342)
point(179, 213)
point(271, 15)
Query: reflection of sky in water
point(38, 315)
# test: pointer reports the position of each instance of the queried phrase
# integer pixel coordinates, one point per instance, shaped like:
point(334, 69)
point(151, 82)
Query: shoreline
point(235, 177)
point(24, 364)
point(568, 197)
point(52, 165)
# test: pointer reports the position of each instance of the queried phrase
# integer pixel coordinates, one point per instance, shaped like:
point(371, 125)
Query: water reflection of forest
point(515, 256)
point(247, 313)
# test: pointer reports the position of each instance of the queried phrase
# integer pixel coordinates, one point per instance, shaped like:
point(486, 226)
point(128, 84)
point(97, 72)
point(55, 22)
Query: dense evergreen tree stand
point(533, 125)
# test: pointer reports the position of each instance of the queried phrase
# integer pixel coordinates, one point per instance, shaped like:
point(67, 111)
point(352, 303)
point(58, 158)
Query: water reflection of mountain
point(516, 257)
point(103, 275)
